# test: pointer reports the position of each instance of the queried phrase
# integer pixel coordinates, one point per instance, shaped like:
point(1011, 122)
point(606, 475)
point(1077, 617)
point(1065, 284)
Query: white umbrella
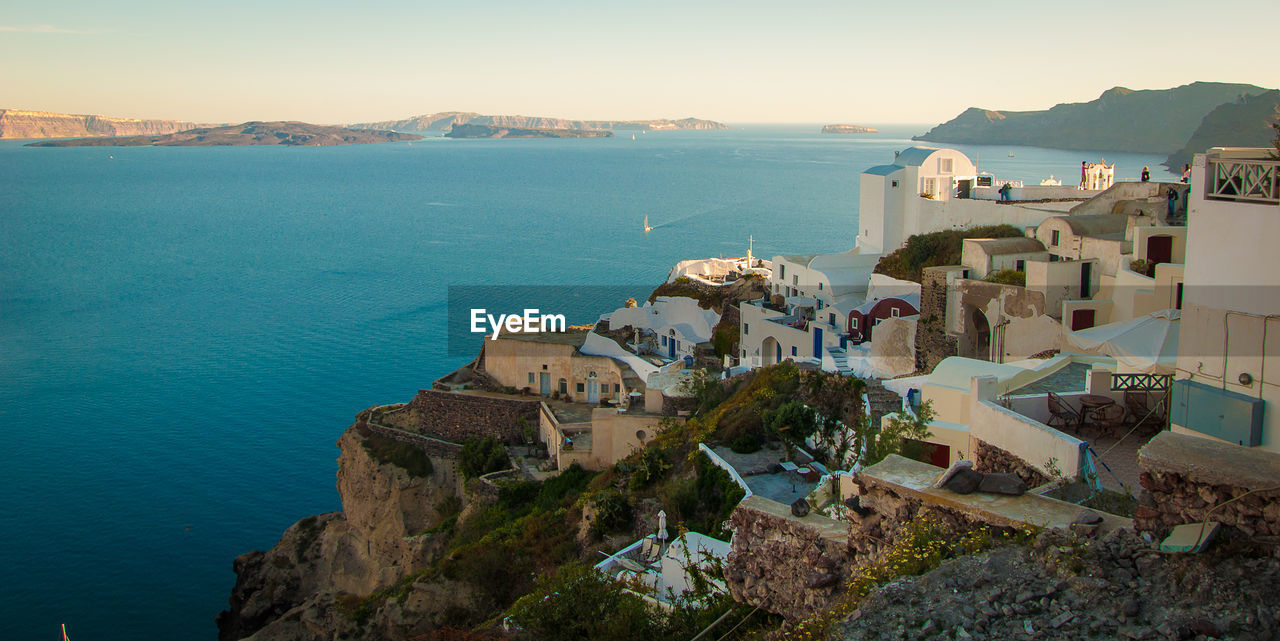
point(1147, 344)
point(662, 525)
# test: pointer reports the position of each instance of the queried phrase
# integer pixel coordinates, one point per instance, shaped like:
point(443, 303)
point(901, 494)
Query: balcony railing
point(1254, 181)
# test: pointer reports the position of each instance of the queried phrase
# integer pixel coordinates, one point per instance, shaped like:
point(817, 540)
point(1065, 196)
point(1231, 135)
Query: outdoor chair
point(1108, 420)
point(1141, 411)
point(650, 551)
point(1061, 413)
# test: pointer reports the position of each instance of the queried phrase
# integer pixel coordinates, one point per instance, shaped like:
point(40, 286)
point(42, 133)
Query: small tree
point(579, 602)
point(878, 442)
point(792, 421)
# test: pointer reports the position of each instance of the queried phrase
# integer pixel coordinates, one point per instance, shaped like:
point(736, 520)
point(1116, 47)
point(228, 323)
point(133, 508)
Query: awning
point(1148, 344)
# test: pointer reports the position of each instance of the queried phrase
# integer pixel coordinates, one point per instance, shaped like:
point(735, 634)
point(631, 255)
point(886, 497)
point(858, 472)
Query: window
point(564, 386)
point(793, 350)
point(1053, 241)
point(617, 387)
point(795, 280)
point(1178, 303)
point(895, 312)
point(893, 183)
point(544, 366)
point(946, 165)
point(581, 387)
point(531, 379)
point(746, 329)
point(782, 272)
point(930, 186)
point(819, 285)
point(1021, 265)
point(853, 323)
point(833, 320)
point(664, 341)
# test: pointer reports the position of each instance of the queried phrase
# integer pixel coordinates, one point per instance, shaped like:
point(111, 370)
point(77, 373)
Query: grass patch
point(936, 249)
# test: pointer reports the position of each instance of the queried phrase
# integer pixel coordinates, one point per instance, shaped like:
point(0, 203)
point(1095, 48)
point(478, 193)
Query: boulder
point(1002, 484)
point(964, 481)
point(800, 507)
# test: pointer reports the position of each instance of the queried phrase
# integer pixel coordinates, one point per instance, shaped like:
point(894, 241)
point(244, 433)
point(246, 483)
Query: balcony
point(1242, 179)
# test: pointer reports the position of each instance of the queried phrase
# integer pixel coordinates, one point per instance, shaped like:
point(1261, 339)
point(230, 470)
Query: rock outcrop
point(312, 583)
point(1243, 123)
point(21, 124)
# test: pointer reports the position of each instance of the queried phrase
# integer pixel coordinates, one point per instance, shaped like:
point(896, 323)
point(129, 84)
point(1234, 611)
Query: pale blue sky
point(742, 61)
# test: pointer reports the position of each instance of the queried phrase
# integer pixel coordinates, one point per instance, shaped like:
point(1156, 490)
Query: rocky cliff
point(1243, 123)
point(314, 583)
point(16, 123)
point(1151, 121)
point(444, 120)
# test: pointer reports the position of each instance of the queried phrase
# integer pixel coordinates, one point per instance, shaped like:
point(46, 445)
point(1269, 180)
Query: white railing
point(1255, 181)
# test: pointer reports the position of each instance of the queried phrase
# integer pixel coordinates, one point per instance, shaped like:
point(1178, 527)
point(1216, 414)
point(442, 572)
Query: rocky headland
point(501, 131)
point(1243, 123)
point(296, 134)
point(22, 124)
point(848, 129)
point(1121, 119)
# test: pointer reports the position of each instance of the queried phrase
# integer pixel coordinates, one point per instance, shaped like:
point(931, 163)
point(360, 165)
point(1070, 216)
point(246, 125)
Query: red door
point(1081, 319)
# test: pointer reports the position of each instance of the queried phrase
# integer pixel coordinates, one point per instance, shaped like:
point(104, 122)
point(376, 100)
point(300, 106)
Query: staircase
point(841, 359)
point(882, 401)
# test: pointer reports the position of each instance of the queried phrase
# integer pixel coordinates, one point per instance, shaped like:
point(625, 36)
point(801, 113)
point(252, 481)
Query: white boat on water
point(646, 225)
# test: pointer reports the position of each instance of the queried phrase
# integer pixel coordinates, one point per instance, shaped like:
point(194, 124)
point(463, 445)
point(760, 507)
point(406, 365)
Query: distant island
point(1149, 121)
point(22, 124)
point(848, 129)
point(295, 134)
point(442, 121)
point(496, 131)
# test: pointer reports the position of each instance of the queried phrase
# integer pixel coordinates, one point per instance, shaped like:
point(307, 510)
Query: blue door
point(671, 347)
point(817, 342)
point(544, 383)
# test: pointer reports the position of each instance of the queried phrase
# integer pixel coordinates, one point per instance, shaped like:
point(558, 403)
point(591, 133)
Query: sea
point(186, 332)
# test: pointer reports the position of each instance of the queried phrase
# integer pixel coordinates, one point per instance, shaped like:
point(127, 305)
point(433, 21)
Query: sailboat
point(646, 225)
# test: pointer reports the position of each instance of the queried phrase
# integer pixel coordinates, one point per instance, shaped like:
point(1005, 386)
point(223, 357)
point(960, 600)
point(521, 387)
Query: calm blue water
point(184, 333)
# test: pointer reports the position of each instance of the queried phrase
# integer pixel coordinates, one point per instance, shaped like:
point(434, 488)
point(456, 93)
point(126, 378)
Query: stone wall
point(432, 446)
point(932, 342)
point(457, 417)
point(989, 458)
point(1189, 479)
point(788, 565)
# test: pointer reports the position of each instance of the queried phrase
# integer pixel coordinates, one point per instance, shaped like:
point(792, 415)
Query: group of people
point(1186, 174)
point(1097, 176)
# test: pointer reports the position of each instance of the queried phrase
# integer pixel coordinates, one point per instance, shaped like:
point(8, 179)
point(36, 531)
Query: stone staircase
point(841, 359)
point(882, 401)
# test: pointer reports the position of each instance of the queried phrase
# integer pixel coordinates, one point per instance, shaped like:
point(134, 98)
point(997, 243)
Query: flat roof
point(572, 336)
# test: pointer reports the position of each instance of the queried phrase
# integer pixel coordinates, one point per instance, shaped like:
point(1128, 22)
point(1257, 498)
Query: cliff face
point(1244, 123)
point(444, 120)
point(310, 584)
point(1150, 121)
point(16, 123)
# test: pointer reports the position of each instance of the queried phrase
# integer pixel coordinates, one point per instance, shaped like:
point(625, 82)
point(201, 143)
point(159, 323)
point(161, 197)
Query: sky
point(740, 62)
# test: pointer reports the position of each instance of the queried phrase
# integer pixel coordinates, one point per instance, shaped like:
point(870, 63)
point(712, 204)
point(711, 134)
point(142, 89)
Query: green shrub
point(745, 443)
point(935, 249)
point(613, 512)
point(482, 456)
point(387, 450)
point(1008, 277)
point(580, 603)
